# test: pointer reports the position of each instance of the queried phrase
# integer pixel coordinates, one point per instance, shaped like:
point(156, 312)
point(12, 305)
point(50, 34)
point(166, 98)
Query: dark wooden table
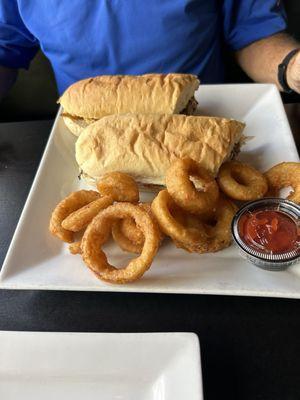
point(250, 346)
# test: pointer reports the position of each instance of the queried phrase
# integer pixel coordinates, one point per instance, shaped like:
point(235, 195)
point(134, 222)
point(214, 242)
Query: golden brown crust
point(121, 187)
point(241, 181)
point(183, 191)
point(119, 94)
point(65, 207)
point(80, 218)
point(143, 146)
point(96, 235)
point(128, 236)
point(75, 247)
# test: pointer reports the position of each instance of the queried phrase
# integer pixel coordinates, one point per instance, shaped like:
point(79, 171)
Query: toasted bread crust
point(120, 94)
point(144, 145)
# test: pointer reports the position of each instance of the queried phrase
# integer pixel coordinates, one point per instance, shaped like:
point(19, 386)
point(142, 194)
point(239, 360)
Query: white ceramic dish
point(36, 260)
point(106, 366)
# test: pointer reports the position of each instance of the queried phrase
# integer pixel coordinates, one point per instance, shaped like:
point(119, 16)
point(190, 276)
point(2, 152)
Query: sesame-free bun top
point(144, 145)
point(120, 94)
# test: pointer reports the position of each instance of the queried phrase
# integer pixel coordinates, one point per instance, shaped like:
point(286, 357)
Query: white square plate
point(36, 260)
point(106, 366)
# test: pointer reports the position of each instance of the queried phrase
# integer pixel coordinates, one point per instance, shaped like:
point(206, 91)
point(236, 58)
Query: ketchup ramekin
point(268, 261)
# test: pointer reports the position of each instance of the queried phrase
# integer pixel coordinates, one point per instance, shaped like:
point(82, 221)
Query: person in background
point(84, 38)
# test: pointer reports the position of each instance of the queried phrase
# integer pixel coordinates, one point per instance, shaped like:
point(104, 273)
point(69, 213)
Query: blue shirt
point(85, 38)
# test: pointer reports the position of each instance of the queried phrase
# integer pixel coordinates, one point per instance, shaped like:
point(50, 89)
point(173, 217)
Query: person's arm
point(7, 79)
point(260, 60)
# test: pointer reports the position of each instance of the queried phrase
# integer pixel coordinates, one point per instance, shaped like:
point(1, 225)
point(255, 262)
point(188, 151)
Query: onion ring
point(183, 191)
point(96, 235)
point(241, 181)
point(65, 207)
point(161, 208)
point(129, 229)
point(283, 175)
point(80, 219)
point(123, 242)
point(128, 236)
point(219, 231)
point(120, 186)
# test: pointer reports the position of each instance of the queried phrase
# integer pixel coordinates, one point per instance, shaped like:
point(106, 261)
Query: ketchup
point(269, 231)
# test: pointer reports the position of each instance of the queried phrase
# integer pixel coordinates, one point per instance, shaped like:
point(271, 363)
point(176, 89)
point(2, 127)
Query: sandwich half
point(144, 145)
point(88, 100)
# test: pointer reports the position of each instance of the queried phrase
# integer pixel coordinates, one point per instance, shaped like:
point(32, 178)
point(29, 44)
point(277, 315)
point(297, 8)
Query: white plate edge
point(30, 194)
point(127, 289)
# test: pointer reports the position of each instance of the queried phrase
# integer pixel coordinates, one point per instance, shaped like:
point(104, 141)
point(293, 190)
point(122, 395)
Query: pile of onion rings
point(95, 215)
point(197, 221)
point(195, 211)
